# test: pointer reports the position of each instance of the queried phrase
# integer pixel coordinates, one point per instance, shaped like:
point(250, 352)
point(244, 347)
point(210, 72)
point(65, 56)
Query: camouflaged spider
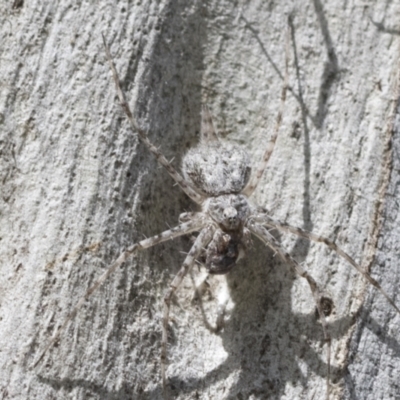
point(218, 177)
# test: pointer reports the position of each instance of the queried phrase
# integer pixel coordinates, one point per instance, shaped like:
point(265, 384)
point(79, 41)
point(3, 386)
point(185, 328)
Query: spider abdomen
point(217, 169)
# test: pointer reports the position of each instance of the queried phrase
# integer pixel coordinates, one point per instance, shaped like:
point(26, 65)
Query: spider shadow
point(267, 343)
point(367, 322)
point(261, 357)
point(254, 341)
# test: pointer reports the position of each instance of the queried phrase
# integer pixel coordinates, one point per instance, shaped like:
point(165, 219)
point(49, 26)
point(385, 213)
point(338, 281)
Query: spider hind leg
point(202, 240)
point(270, 241)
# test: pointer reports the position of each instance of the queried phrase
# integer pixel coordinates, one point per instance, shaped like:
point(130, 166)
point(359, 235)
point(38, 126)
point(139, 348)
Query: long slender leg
point(255, 179)
point(202, 240)
point(184, 185)
point(173, 233)
point(284, 227)
point(219, 323)
point(190, 216)
point(270, 241)
point(207, 132)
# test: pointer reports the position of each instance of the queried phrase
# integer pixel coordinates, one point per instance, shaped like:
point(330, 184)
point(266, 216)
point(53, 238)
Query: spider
point(218, 177)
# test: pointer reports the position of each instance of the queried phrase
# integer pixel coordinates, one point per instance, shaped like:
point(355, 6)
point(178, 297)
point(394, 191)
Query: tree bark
point(77, 188)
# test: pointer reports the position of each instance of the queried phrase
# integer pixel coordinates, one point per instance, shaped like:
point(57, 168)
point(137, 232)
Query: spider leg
point(270, 241)
point(284, 227)
point(190, 216)
point(255, 179)
point(198, 296)
point(173, 233)
point(207, 132)
point(202, 240)
point(184, 185)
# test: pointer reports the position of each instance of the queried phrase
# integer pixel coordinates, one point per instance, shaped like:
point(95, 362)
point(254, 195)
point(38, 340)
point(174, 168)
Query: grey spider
point(218, 177)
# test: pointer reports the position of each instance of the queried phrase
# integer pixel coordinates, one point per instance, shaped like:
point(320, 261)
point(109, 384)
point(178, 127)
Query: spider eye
point(230, 215)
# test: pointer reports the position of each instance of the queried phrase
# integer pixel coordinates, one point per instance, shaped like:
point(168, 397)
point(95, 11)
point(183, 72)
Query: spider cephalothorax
point(231, 239)
point(229, 211)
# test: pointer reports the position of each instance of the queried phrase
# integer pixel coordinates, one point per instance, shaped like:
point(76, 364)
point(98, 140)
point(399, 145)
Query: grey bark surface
point(77, 188)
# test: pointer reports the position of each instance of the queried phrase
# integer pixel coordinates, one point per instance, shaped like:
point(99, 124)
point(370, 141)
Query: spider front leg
point(271, 242)
point(284, 227)
point(201, 242)
point(182, 229)
point(183, 183)
point(255, 179)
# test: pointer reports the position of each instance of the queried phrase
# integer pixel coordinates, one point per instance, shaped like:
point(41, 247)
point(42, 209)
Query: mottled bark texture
point(77, 188)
